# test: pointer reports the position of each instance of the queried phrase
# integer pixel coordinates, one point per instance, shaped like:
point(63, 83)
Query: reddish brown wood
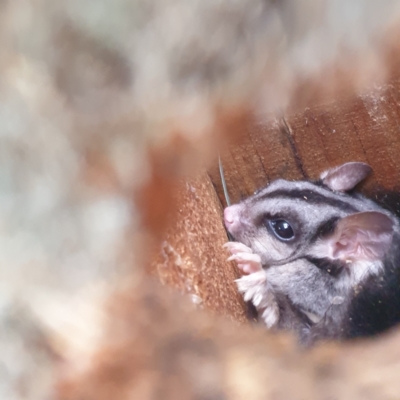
point(263, 152)
point(357, 128)
point(158, 347)
point(190, 256)
point(364, 128)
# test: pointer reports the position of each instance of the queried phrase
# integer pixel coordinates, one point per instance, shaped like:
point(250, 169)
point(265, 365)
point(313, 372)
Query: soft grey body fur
point(307, 283)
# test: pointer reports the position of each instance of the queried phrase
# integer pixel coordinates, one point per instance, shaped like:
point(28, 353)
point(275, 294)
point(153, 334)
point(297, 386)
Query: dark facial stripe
point(332, 267)
point(325, 228)
point(309, 196)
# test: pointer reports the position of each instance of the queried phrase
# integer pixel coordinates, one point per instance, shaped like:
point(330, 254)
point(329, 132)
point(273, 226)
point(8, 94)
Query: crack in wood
point(284, 126)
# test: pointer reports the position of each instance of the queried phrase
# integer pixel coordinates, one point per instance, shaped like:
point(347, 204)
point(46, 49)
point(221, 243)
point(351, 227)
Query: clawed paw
point(256, 289)
point(247, 261)
point(254, 285)
point(251, 285)
point(270, 315)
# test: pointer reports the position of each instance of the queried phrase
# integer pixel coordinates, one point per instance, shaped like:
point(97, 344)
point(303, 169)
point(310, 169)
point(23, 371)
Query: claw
point(270, 315)
point(237, 247)
point(255, 288)
point(239, 257)
point(254, 280)
point(248, 263)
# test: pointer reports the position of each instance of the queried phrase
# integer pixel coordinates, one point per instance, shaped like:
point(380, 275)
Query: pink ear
point(346, 176)
point(362, 236)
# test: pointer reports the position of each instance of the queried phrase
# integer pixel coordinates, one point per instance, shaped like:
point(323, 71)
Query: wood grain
point(302, 145)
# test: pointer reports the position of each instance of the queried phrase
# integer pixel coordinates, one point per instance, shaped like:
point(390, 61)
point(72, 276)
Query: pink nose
point(231, 216)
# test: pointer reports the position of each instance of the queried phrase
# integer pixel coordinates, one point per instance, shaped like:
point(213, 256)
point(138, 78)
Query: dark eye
point(282, 229)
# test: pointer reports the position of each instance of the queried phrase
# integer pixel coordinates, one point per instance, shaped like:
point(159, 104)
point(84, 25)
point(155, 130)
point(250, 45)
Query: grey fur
point(312, 301)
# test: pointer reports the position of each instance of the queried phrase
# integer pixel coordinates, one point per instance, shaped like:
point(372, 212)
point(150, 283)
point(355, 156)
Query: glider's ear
point(346, 176)
point(362, 236)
